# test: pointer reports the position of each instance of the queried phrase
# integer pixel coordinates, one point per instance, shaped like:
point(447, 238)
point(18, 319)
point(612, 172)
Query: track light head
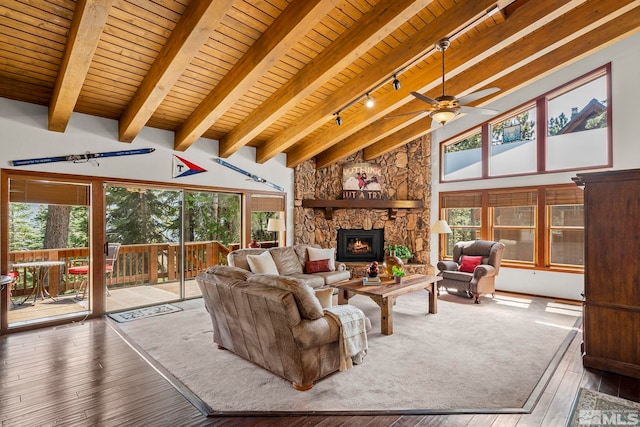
point(396, 83)
point(338, 119)
point(369, 101)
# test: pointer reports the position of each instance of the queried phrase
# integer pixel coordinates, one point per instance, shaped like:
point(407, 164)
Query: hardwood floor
point(84, 374)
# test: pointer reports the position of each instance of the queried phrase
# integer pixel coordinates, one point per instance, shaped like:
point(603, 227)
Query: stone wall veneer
point(406, 175)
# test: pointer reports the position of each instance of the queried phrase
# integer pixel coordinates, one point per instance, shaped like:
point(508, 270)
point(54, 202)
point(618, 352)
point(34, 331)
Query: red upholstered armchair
point(476, 274)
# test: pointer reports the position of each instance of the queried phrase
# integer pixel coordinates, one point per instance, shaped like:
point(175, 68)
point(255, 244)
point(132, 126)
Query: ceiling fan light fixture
point(443, 115)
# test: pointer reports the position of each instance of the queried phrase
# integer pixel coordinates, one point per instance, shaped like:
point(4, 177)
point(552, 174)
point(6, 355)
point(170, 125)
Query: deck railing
point(136, 264)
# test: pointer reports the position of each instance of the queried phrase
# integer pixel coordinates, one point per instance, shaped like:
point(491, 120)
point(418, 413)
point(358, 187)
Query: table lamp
point(276, 225)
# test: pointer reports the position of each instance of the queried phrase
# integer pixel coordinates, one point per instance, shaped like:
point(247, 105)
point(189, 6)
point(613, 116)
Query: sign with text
point(361, 181)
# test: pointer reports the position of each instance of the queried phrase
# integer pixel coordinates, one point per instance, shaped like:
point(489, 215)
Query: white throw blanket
point(353, 334)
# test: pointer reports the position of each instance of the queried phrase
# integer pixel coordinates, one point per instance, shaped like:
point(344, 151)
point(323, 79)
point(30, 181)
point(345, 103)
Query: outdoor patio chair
point(110, 262)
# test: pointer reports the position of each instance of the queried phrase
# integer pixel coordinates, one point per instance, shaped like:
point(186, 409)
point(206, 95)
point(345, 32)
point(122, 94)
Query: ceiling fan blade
point(407, 114)
point(476, 110)
point(477, 95)
point(424, 98)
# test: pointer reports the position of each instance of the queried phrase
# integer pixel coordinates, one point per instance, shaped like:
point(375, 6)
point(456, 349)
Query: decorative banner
point(182, 167)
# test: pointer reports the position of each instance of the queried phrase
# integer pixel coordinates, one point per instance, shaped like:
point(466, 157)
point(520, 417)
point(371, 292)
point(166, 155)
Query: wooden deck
point(85, 374)
point(118, 300)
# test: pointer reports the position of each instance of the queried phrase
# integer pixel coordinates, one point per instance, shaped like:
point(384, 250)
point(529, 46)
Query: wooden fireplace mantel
point(391, 205)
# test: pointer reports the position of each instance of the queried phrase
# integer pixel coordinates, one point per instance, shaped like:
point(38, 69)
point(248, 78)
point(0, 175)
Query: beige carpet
point(465, 358)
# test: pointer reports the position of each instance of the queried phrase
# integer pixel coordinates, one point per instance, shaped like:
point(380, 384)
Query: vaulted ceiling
point(273, 74)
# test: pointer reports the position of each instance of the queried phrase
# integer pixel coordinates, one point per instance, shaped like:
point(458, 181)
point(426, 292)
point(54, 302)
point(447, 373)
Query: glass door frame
point(97, 231)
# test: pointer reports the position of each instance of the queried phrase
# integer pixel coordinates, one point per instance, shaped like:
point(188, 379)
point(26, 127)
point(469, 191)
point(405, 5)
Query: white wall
point(625, 93)
point(24, 135)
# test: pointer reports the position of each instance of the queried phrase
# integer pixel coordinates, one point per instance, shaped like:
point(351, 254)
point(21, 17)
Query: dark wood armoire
point(612, 271)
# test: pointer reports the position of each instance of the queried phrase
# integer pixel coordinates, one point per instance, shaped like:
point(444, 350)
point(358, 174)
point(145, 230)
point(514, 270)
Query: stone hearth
point(405, 176)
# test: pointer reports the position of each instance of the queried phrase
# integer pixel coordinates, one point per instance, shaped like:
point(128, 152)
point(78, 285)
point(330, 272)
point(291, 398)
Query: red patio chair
point(110, 261)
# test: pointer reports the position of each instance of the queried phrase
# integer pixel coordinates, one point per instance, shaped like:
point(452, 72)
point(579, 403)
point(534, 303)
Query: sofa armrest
point(447, 266)
point(340, 266)
point(484, 270)
point(313, 333)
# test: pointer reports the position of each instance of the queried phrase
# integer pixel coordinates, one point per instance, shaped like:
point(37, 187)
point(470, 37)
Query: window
point(513, 144)
point(463, 159)
point(577, 126)
point(514, 223)
point(463, 213)
point(566, 227)
point(566, 129)
point(541, 227)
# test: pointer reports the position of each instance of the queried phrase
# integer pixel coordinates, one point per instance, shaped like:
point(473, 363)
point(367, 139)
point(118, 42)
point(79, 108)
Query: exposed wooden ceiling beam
point(88, 21)
point(293, 23)
point(367, 126)
point(382, 20)
point(614, 26)
point(458, 17)
point(192, 31)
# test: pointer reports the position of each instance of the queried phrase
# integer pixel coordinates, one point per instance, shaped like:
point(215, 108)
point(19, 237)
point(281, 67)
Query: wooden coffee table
point(385, 293)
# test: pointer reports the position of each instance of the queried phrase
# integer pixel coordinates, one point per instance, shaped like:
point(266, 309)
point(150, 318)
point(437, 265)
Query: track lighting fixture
point(396, 83)
point(338, 119)
point(369, 102)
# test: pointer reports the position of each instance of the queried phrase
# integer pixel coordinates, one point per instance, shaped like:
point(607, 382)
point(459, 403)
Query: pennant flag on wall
point(182, 167)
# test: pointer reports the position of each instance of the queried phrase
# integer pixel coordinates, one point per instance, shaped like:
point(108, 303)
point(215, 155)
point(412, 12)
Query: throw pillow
point(306, 300)
point(325, 296)
point(319, 266)
point(286, 260)
point(316, 254)
point(262, 264)
point(469, 263)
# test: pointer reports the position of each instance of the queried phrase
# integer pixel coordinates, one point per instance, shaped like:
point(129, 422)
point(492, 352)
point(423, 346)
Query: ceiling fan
point(446, 107)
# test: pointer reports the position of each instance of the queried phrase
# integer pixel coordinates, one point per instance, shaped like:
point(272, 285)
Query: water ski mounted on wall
point(81, 158)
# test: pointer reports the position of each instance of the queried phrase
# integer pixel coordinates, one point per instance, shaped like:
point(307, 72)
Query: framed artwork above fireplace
point(356, 245)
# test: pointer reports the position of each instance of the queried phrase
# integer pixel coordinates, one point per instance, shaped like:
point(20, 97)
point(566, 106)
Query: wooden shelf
point(391, 205)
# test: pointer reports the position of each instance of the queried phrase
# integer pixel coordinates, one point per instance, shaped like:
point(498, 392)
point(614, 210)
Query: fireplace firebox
point(360, 245)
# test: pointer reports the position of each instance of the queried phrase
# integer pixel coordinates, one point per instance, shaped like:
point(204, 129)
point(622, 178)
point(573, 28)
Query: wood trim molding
point(391, 205)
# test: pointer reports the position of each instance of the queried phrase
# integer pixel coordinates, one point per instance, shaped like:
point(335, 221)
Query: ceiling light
point(338, 119)
point(396, 83)
point(443, 115)
point(369, 102)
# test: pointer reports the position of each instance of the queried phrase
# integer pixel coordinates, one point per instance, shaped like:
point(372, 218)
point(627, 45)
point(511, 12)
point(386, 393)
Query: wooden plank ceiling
point(272, 74)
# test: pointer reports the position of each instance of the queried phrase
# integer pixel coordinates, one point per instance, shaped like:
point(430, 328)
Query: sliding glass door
point(48, 257)
point(145, 222)
point(212, 224)
point(166, 238)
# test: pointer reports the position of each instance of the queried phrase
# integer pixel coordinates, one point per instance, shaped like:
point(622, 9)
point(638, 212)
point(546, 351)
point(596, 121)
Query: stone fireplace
point(405, 173)
point(357, 245)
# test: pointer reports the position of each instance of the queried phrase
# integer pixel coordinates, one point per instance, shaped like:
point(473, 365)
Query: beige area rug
point(491, 357)
point(592, 408)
